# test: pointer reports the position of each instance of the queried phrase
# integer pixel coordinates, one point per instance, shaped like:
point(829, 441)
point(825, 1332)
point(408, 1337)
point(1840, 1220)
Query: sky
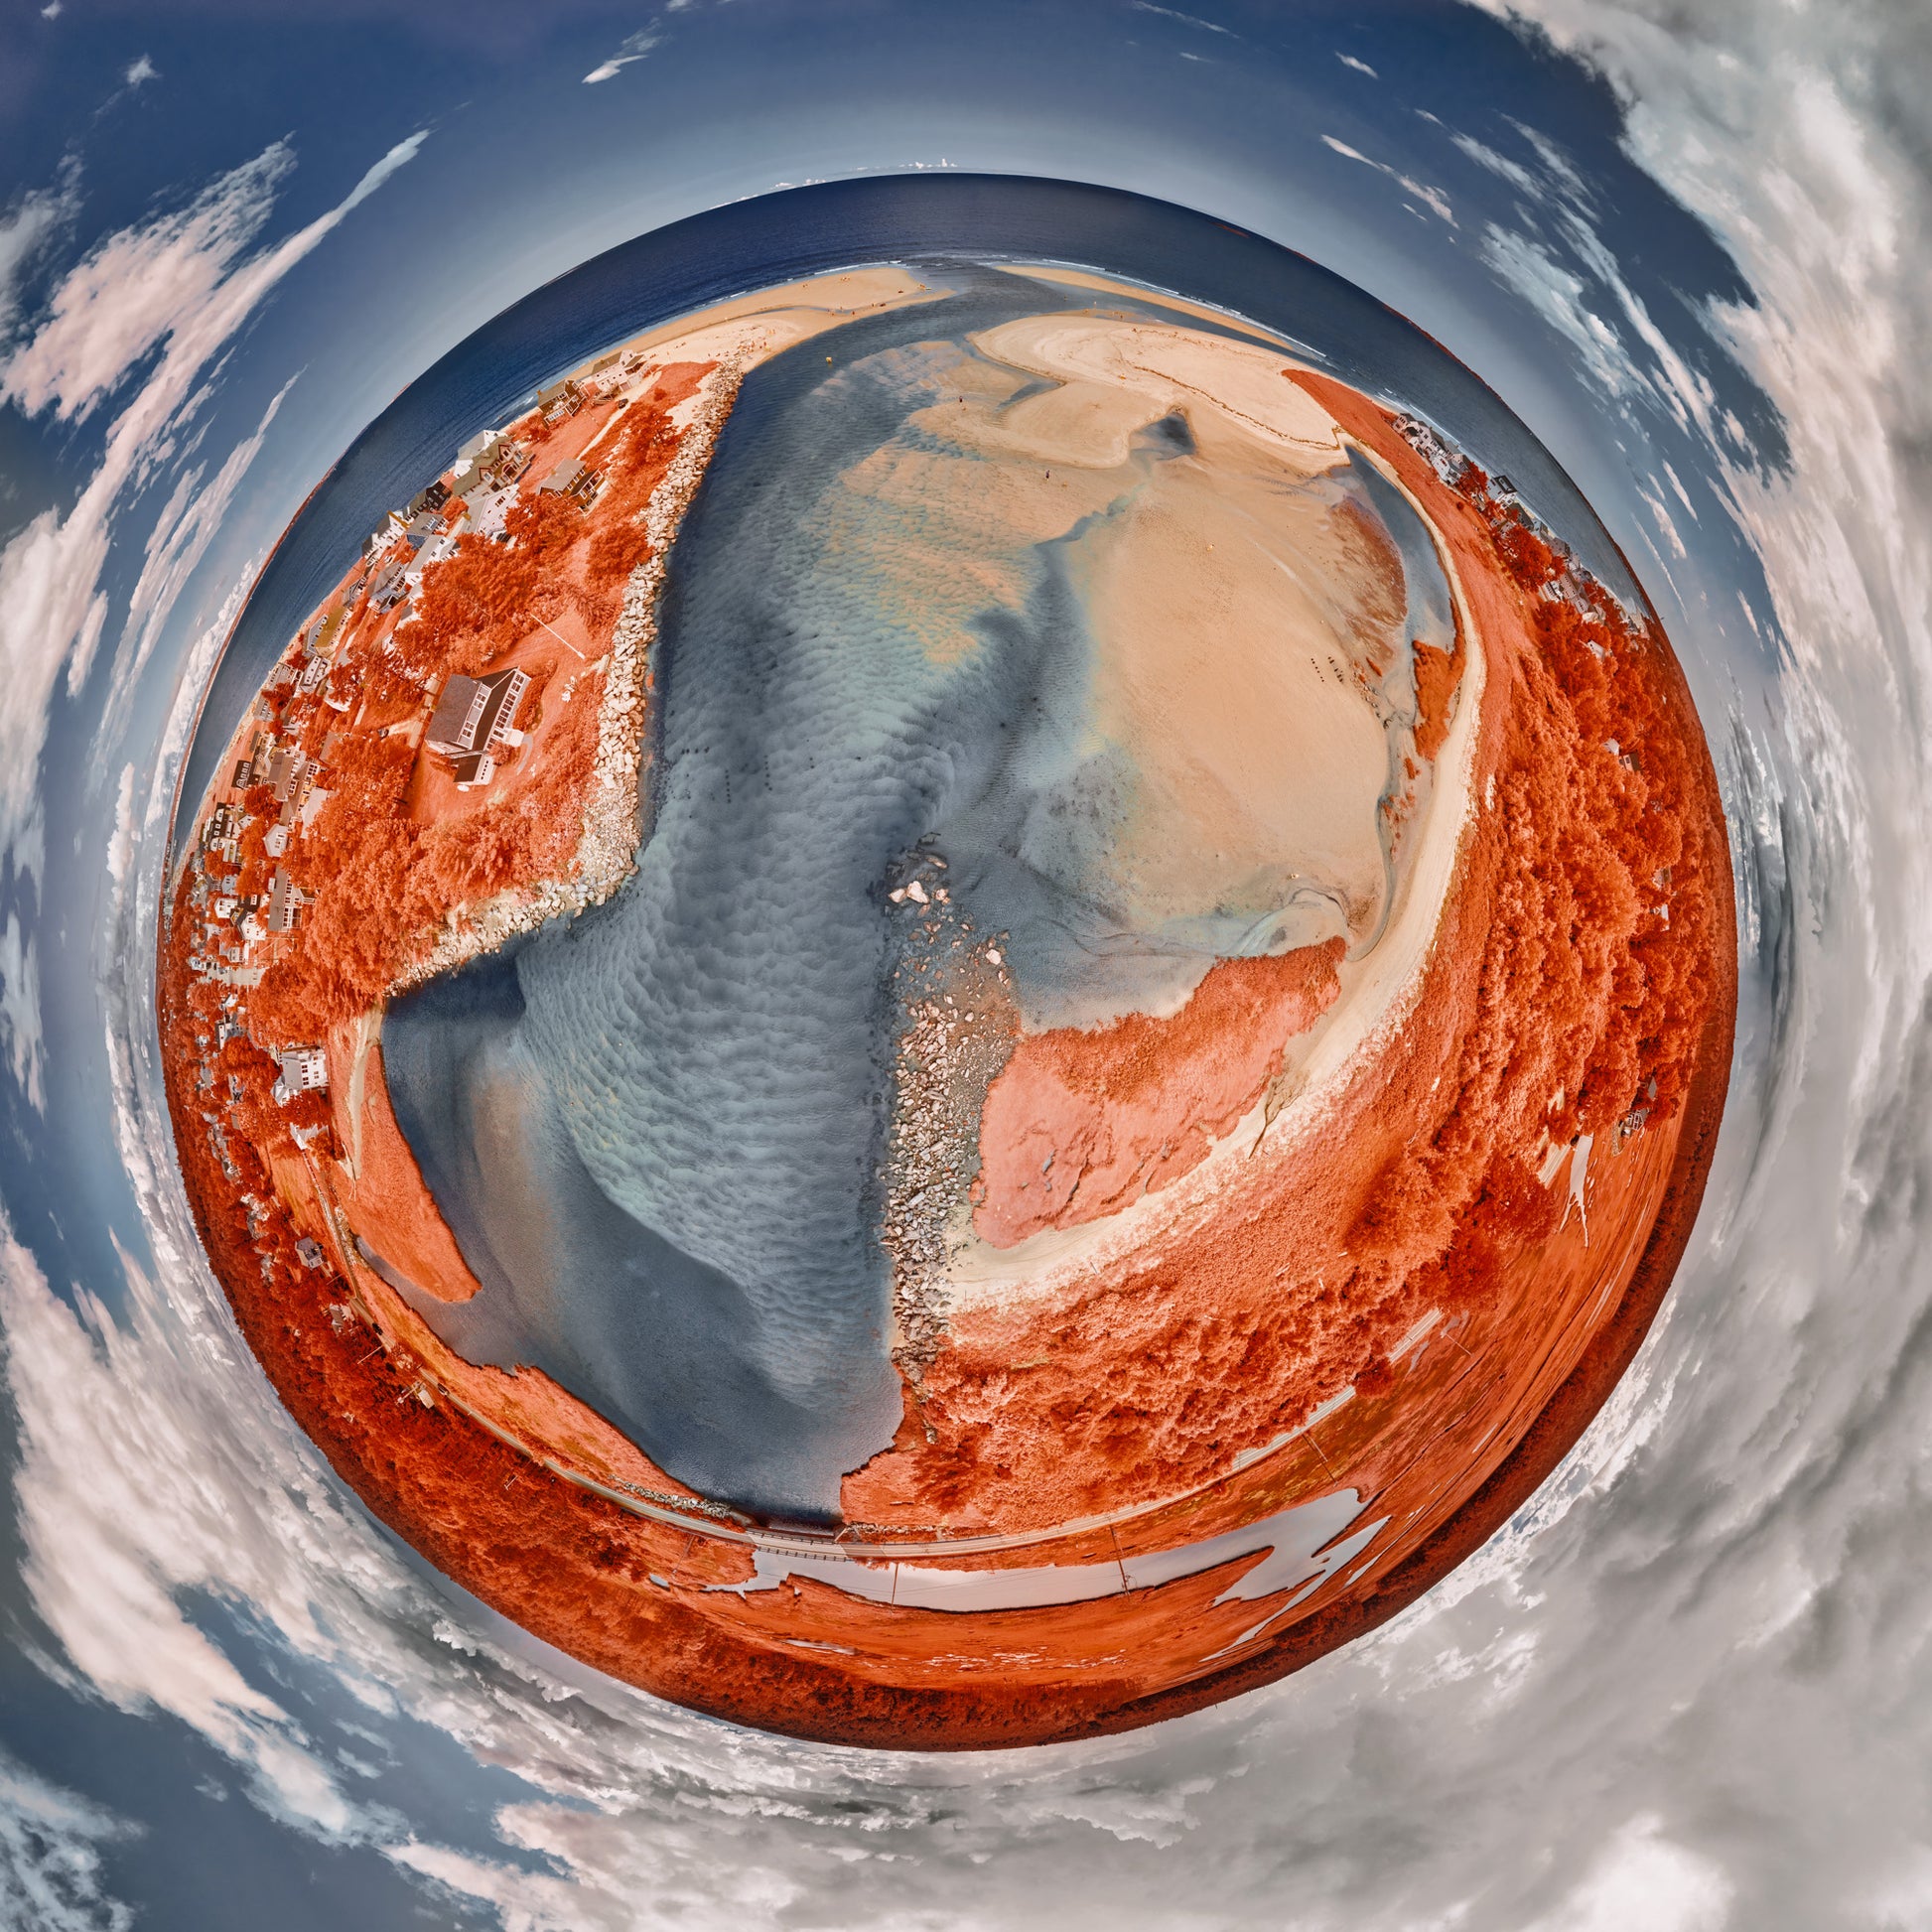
point(1687, 1688)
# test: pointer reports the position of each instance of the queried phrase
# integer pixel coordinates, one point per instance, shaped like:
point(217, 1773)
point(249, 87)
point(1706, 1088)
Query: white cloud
point(120, 845)
point(1562, 295)
point(636, 48)
point(1360, 66)
point(1187, 19)
point(175, 289)
point(1685, 393)
point(1432, 198)
point(29, 845)
point(137, 289)
point(1557, 294)
point(1554, 160)
point(50, 1857)
point(404, 152)
point(110, 1539)
point(20, 1011)
point(1513, 172)
point(24, 230)
point(1900, 1901)
point(1661, 516)
point(140, 70)
point(187, 525)
point(1643, 1879)
point(178, 280)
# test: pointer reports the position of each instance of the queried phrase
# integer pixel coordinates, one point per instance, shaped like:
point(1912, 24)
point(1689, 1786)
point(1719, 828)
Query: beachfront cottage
point(320, 639)
point(509, 461)
point(473, 716)
point(489, 513)
point(253, 768)
point(318, 643)
point(561, 399)
point(386, 590)
point(574, 479)
point(440, 546)
point(286, 770)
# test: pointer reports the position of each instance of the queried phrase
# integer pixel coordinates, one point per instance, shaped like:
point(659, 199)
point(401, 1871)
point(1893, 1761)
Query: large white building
point(305, 1070)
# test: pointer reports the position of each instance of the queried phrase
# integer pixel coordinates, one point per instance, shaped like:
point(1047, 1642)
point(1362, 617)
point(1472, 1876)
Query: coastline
point(613, 812)
point(610, 1562)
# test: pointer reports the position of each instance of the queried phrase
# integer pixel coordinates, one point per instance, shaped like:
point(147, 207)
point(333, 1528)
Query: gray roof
point(473, 710)
point(452, 724)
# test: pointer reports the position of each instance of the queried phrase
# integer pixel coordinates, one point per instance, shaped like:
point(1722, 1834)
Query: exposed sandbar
point(1081, 1123)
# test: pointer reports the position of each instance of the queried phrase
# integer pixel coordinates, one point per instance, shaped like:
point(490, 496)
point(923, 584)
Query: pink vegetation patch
point(1079, 1124)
